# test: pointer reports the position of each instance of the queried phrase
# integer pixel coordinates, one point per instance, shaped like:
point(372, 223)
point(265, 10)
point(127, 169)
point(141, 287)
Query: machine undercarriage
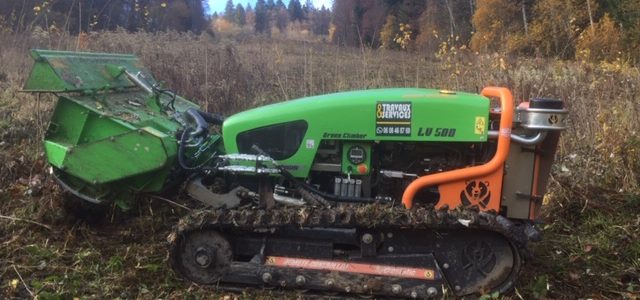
point(362, 249)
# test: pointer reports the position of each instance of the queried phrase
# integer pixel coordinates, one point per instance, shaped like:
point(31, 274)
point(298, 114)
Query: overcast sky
point(218, 5)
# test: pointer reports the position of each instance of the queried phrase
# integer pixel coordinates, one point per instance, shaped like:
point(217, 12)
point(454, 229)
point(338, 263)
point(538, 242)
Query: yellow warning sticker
point(481, 124)
point(429, 274)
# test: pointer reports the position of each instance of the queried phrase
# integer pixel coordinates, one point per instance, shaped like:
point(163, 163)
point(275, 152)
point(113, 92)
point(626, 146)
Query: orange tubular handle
point(504, 139)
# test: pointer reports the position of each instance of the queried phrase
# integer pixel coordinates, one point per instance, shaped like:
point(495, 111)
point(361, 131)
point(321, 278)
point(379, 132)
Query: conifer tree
point(229, 11)
point(281, 19)
point(321, 21)
point(271, 5)
point(308, 9)
point(241, 15)
point(261, 17)
point(295, 11)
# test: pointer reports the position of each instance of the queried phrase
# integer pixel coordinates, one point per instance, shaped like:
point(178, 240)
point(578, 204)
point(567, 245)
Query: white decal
point(311, 144)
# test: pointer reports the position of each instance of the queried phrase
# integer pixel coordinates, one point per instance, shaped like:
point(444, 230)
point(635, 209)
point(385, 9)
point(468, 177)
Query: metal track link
point(363, 216)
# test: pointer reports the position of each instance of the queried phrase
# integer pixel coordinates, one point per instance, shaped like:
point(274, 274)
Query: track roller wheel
point(203, 256)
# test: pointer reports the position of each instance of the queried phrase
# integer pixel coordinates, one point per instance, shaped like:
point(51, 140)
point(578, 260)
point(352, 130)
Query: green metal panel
point(67, 122)
point(62, 71)
point(119, 157)
point(362, 116)
point(98, 127)
point(55, 153)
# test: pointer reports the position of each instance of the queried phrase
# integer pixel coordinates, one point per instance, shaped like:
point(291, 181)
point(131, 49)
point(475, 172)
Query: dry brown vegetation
point(592, 242)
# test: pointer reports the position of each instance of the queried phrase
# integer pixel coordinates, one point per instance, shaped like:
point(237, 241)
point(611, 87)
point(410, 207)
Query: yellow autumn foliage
point(495, 22)
point(603, 42)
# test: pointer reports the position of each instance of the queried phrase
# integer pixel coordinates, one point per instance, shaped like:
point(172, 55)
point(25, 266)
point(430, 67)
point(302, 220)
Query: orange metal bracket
point(504, 139)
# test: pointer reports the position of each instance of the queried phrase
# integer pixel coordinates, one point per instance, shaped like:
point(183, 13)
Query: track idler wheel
point(203, 256)
point(482, 263)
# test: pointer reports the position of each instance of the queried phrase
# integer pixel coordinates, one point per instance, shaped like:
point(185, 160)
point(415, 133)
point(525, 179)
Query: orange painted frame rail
point(504, 139)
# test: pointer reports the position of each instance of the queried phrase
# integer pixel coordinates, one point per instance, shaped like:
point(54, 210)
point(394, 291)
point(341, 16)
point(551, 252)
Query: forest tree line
point(567, 29)
point(94, 15)
point(271, 14)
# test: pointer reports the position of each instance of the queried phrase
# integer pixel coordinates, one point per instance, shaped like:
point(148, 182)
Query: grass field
point(591, 247)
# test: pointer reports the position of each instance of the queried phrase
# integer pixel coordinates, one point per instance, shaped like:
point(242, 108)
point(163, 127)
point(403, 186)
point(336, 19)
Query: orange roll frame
point(504, 139)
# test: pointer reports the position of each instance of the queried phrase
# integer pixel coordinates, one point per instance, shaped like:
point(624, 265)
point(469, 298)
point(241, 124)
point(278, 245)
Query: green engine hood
point(370, 115)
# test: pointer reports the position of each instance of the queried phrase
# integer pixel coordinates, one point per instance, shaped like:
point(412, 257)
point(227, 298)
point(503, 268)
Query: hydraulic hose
point(183, 142)
point(213, 119)
point(202, 120)
point(201, 124)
